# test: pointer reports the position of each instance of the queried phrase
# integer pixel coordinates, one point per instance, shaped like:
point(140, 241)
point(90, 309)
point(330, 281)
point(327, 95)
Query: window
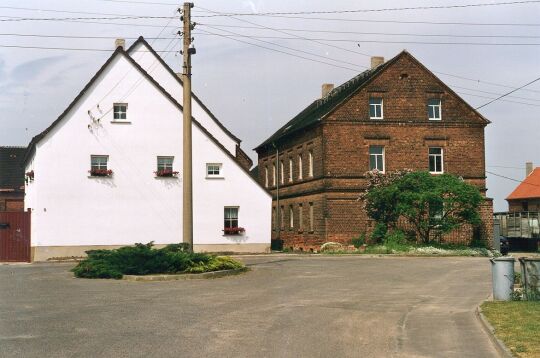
point(281, 172)
point(376, 108)
point(274, 224)
point(300, 173)
point(376, 158)
point(291, 217)
point(273, 175)
point(310, 216)
point(434, 109)
point(436, 160)
point(231, 217)
point(436, 212)
point(310, 164)
point(98, 162)
point(266, 177)
point(120, 111)
point(281, 217)
point(290, 169)
point(300, 217)
point(165, 163)
point(98, 166)
point(213, 170)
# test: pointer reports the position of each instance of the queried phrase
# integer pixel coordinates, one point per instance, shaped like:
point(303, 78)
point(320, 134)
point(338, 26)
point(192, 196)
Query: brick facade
point(339, 143)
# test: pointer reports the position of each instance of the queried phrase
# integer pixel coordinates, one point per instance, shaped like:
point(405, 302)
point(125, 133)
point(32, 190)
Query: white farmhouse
point(107, 172)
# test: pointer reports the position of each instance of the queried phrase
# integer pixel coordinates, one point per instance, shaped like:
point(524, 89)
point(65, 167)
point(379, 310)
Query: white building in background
point(108, 171)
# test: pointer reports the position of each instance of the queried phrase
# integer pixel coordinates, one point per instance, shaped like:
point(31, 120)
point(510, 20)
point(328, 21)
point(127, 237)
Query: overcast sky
point(254, 91)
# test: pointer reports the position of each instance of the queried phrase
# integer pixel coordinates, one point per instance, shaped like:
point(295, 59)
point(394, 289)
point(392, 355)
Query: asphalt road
point(287, 306)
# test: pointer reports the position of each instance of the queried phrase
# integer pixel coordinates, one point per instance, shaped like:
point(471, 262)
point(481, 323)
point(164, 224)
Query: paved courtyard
point(286, 306)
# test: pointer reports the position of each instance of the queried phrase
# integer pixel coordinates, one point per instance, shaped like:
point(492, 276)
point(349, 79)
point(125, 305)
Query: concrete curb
point(185, 276)
point(488, 328)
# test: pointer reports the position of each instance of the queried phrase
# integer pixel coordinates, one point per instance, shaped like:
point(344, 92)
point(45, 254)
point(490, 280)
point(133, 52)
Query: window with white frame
point(436, 212)
point(213, 170)
point(290, 169)
point(300, 169)
point(436, 164)
point(231, 217)
point(281, 172)
point(98, 162)
point(266, 177)
point(291, 217)
point(165, 163)
point(434, 109)
point(273, 174)
point(376, 158)
point(120, 111)
point(376, 108)
point(310, 164)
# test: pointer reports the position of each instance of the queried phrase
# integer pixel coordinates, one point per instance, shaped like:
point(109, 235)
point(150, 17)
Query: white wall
point(150, 64)
point(69, 208)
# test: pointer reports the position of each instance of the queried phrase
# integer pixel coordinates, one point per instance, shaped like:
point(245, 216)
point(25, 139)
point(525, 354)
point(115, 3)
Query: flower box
point(233, 230)
point(165, 173)
point(100, 172)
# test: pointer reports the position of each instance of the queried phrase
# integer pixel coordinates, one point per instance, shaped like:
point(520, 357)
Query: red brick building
point(393, 116)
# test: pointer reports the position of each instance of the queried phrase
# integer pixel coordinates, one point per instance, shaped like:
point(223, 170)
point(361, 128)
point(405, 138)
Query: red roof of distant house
point(529, 188)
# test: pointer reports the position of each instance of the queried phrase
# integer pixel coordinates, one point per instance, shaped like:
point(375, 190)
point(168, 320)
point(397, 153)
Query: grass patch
point(398, 248)
point(517, 324)
point(142, 259)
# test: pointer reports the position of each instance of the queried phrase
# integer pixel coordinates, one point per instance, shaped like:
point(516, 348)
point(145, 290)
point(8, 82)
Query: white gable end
point(151, 64)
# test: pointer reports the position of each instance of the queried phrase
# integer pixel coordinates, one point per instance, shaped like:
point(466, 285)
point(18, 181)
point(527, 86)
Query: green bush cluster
point(142, 259)
point(359, 241)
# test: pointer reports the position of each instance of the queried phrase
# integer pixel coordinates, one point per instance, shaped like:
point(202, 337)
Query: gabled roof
point(11, 167)
point(141, 40)
point(120, 52)
point(528, 188)
point(322, 107)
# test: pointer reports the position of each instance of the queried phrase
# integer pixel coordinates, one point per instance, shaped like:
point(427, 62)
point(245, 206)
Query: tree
point(431, 204)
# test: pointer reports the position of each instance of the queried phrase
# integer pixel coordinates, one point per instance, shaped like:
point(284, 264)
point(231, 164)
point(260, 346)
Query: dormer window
point(434, 109)
point(376, 108)
point(120, 111)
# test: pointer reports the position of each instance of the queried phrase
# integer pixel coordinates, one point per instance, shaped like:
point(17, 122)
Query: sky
point(255, 72)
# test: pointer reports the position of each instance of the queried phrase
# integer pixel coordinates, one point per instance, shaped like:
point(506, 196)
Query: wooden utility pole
point(187, 142)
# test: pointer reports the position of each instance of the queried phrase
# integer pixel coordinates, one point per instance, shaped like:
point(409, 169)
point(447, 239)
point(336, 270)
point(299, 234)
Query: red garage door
point(14, 236)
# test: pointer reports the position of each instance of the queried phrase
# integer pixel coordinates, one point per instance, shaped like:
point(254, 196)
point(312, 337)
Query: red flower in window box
point(100, 172)
point(30, 175)
point(166, 173)
point(233, 230)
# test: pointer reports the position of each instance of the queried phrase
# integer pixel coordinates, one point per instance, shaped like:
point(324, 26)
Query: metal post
point(187, 141)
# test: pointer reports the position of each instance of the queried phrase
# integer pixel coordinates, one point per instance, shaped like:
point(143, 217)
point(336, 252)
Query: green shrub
point(379, 232)
point(142, 259)
point(359, 241)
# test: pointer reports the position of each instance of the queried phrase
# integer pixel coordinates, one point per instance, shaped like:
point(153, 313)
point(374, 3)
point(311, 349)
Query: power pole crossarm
point(187, 141)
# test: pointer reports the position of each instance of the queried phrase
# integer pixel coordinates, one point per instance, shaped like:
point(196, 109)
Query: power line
point(502, 100)
point(378, 10)
point(383, 41)
point(65, 48)
point(376, 33)
point(495, 93)
point(407, 22)
point(506, 94)
point(283, 52)
point(141, 2)
point(234, 34)
point(81, 37)
point(63, 11)
point(512, 179)
point(505, 167)
point(16, 19)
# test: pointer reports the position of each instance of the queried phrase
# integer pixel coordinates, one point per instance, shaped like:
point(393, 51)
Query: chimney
point(376, 61)
point(120, 43)
point(326, 88)
point(528, 168)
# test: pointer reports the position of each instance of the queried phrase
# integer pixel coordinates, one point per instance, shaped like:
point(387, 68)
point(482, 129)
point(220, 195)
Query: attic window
point(403, 76)
point(120, 111)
